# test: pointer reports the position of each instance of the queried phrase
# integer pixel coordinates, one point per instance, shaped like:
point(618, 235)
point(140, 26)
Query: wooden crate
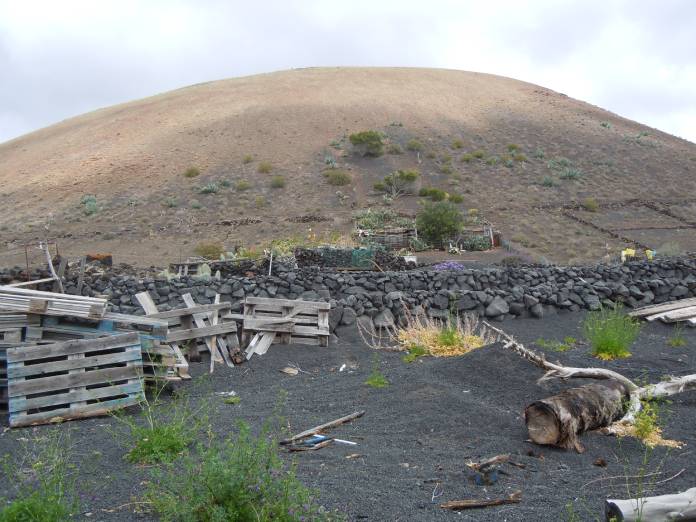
point(293, 321)
point(73, 379)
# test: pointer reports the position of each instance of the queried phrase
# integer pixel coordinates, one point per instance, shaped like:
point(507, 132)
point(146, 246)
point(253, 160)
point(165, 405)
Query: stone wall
point(497, 292)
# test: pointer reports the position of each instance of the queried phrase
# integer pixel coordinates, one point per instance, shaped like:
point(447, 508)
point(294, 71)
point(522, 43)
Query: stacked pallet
point(69, 380)
point(683, 310)
point(50, 303)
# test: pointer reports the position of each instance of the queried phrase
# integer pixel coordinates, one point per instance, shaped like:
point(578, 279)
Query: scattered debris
point(328, 425)
point(290, 370)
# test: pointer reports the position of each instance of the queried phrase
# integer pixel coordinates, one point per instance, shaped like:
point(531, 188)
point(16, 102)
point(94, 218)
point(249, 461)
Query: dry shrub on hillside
point(264, 167)
point(209, 250)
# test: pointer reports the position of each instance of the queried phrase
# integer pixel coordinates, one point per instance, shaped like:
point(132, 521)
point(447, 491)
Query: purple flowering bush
point(241, 479)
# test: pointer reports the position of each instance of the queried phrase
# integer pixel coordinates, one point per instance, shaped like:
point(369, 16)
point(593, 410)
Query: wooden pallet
point(290, 321)
point(208, 328)
point(73, 379)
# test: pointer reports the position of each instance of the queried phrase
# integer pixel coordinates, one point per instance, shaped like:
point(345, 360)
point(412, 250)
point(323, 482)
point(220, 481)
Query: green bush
point(397, 183)
point(457, 144)
point(493, 160)
point(456, 198)
point(242, 185)
point(611, 332)
point(467, 158)
point(513, 147)
point(248, 158)
point(418, 245)
point(277, 182)
point(192, 172)
point(446, 168)
point(171, 202)
point(434, 194)
point(439, 221)
point(394, 148)
point(539, 153)
point(195, 204)
point(209, 250)
point(242, 479)
point(414, 145)
point(590, 204)
point(377, 219)
point(570, 173)
point(559, 163)
point(478, 154)
point(548, 181)
point(89, 204)
point(264, 167)
point(210, 188)
point(520, 158)
point(337, 177)
point(369, 142)
point(476, 243)
point(225, 183)
point(260, 202)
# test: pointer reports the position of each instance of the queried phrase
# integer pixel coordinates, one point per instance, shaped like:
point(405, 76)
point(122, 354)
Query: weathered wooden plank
point(23, 404)
point(33, 352)
point(16, 370)
point(664, 307)
point(89, 410)
point(197, 309)
point(679, 315)
point(193, 333)
point(279, 325)
point(273, 302)
point(4, 289)
point(60, 382)
point(32, 283)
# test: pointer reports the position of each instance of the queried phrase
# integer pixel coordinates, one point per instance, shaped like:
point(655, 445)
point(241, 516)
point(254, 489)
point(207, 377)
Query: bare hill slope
point(540, 151)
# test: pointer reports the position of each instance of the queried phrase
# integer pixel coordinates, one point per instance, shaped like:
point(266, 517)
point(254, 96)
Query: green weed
point(264, 167)
point(677, 339)
point(414, 352)
point(611, 332)
point(277, 182)
point(192, 172)
point(241, 479)
point(376, 379)
point(43, 481)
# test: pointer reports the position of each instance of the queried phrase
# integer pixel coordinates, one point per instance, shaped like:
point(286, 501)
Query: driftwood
point(635, 393)
point(679, 506)
point(558, 420)
point(513, 498)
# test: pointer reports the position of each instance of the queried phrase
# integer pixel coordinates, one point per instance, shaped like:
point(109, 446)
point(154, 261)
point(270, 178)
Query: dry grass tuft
point(654, 438)
point(457, 336)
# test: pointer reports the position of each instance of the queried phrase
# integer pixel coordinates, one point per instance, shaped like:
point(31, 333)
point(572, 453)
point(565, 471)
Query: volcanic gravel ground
point(436, 415)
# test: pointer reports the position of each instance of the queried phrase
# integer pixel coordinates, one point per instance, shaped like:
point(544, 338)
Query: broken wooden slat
point(321, 427)
point(664, 307)
point(456, 505)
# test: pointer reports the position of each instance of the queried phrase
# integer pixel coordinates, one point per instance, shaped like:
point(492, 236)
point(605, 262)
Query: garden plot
point(629, 218)
point(418, 432)
point(686, 211)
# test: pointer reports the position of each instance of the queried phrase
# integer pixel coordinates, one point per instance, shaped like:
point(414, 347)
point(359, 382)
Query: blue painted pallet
point(73, 379)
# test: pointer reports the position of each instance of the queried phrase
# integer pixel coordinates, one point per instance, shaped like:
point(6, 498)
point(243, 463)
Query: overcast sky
point(62, 58)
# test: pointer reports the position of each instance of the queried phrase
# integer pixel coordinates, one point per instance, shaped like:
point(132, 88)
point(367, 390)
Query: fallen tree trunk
point(558, 420)
point(679, 506)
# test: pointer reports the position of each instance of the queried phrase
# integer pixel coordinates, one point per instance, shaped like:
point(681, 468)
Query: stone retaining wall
point(380, 297)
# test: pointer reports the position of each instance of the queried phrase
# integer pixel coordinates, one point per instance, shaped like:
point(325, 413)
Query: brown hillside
point(133, 156)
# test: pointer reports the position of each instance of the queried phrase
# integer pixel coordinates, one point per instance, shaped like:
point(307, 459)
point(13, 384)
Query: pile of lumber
point(682, 311)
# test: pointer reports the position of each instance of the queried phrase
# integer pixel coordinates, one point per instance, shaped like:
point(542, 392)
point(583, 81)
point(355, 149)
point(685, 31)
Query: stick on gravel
point(513, 498)
point(326, 426)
